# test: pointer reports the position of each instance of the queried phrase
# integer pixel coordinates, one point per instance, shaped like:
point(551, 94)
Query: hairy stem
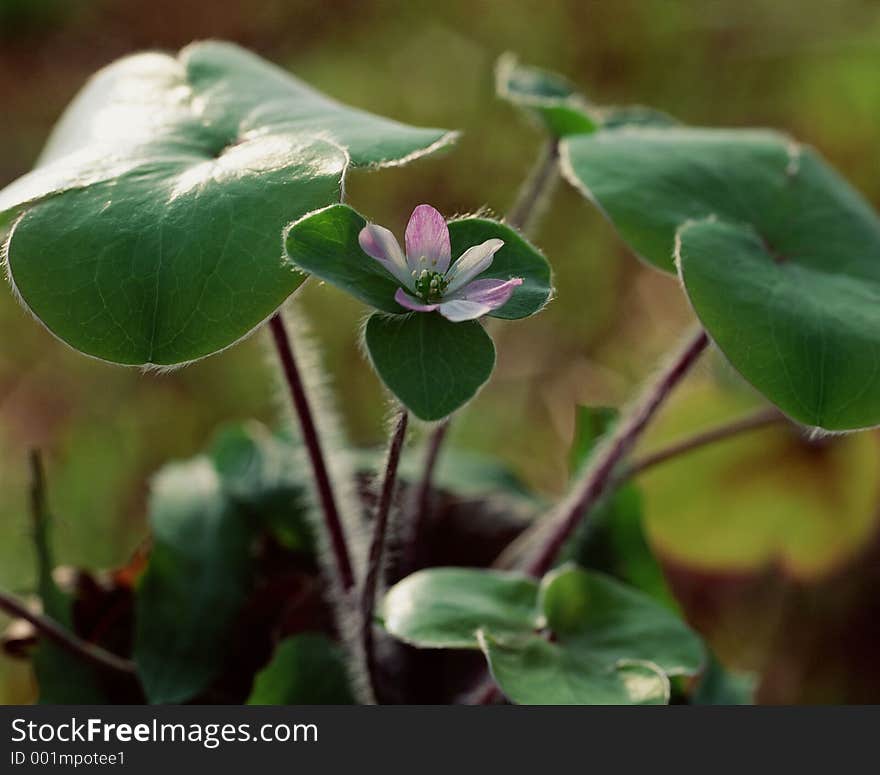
point(53, 631)
point(535, 190)
point(312, 442)
point(600, 473)
point(377, 546)
point(759, 419)
point(420, 501)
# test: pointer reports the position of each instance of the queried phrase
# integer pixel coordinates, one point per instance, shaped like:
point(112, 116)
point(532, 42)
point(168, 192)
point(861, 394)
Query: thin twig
point(420, 501)
point(536, 188)
point(40, 519)
point(312, 442)
point(600, 474)
point(760, 419)
point(53, 631)
point(377, 546)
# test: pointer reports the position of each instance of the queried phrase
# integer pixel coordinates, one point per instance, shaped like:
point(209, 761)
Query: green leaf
point(781, 269)
point(551, 98)
point(650, 181)
point(602, 643)
point(205, 515)
point(306, 669)
point(518, 258)
point(149, 233)
point(325, 244)
point(556, 104)
point(812, 343)
point(263, 474)
point(195, 584)
point(610, 621)
point(533, 671)
point(445, 607)
point(578, 638)
point(433, 366)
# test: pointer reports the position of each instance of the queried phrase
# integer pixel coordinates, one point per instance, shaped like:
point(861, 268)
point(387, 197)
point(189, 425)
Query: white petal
point(473, 261)
point(459, 310)
point(379, 243)
point(427, 240)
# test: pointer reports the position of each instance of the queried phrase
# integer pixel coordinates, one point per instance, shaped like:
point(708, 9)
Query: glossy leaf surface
point(150, 232)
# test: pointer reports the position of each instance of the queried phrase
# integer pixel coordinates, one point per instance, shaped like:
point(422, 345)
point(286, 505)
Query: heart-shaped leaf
point(533, 671)
point(579, 637)
point(150, 231)
point(325, 244)
point(557, 105)
point(787, 283)
point(604, 644)
point(433, 366)
point(306, 669)
point(812, 343)
point(446, 607)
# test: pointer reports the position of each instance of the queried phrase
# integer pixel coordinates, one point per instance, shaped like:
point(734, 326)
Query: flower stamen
point(430, 286)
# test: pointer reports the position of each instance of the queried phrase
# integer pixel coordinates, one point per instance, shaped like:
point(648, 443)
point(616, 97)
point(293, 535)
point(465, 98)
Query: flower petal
point(491, 292)
point(427, 241)
point(473, 261)
point(379, 243)
point(411, 302)
point(459, 310)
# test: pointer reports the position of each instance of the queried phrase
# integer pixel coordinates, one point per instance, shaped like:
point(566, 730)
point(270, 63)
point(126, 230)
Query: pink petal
point(427, 241)
point(459, 310)
point(379, 243)
point(491, 292)
point(411, 302)
point(471, 263)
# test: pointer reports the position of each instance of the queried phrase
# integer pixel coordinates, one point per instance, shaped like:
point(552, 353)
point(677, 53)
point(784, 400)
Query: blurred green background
point(770, 541)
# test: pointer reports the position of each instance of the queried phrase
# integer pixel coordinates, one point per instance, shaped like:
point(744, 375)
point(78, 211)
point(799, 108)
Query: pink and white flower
point(428, 277)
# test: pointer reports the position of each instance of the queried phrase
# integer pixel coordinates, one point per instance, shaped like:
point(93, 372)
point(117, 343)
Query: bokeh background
point(769, 541)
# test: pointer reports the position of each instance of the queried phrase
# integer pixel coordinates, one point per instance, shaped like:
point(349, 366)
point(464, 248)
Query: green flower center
point(430, 285)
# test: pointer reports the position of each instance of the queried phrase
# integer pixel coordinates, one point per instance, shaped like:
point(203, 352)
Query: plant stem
point(536, 188)
point(600, 473)
point(420, 500)
point(377, 546)
point(332, 520)
point(759, 419)
point(66, 640)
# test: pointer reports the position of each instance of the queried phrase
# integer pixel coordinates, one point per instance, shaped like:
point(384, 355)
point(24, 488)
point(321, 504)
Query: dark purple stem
point(763, 418)
point(421, 498)
point(312, 442)
point(51, 630)
point(600, 473)
point(377, 546)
